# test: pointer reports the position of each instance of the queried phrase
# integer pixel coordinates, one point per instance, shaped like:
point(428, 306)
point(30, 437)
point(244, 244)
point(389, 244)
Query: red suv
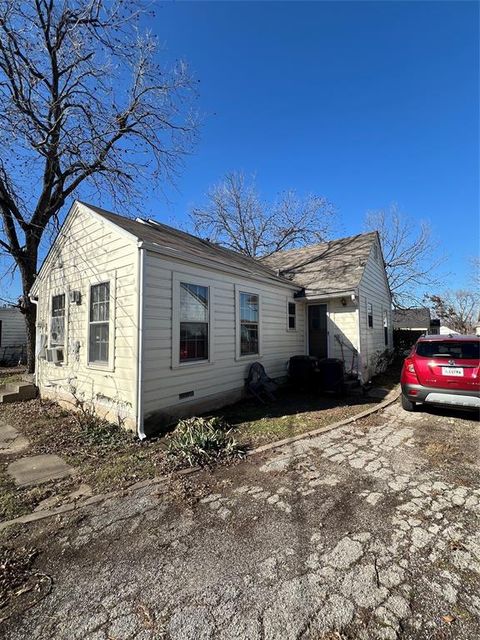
point(442, 371)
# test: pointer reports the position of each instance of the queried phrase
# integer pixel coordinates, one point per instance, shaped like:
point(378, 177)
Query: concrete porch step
point(17, 392)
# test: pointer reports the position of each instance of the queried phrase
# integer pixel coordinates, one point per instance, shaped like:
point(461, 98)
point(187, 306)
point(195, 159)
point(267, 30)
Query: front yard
point(366, 532)
point(106, 458)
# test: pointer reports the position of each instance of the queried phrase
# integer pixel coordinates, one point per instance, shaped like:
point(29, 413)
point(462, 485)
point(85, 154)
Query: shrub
point(201, 441)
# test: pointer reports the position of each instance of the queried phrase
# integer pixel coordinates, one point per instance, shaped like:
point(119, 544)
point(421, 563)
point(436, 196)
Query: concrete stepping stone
point(10, 440)
point(38, 469)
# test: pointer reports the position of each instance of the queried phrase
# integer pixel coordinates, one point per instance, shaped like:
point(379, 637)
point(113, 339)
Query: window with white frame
point(57, 321)
point(370, 315)
point(249, 324)
point(194, 320)
point(292, 316)
point(385, 327)
point(99, 324)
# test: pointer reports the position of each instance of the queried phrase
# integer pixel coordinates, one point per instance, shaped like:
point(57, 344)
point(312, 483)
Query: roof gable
point(328, 267)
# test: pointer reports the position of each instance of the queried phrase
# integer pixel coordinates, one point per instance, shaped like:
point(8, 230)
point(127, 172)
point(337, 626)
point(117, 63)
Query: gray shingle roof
point(164, 236)
point(326, 268)
point(411, 318)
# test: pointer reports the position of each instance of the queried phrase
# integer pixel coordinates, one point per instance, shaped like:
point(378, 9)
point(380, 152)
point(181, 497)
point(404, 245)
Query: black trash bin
point(331, 375)
point(303, 370)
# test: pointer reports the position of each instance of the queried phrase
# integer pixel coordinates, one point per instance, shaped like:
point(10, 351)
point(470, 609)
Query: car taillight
point(410, 372)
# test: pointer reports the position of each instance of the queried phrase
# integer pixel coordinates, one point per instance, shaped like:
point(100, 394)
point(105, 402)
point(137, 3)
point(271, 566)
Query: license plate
point(452, 371)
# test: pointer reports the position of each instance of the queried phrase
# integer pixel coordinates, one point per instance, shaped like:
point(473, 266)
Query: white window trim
point(56, 291)
point(110, 365)
point(291, 301)
point(188, 278)
point(248, 356)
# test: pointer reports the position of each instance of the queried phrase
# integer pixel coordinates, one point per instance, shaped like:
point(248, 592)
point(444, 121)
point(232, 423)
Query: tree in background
point(82, 100)
point(458, 310)
point(411, 254)
point(235, 216)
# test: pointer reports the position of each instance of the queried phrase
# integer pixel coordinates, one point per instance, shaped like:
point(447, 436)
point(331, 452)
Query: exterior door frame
point(313, 303)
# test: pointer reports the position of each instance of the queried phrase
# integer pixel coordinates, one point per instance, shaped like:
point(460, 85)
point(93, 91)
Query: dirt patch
point(108, 458)
point(104, 456)
point(294, 413)
point(449, 443)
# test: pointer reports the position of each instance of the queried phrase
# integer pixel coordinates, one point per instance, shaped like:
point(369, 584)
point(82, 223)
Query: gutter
point(314, 296)
point(140, 280)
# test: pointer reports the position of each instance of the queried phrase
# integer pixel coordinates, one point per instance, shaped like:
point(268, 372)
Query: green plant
point(97, 431)
point(201, 441)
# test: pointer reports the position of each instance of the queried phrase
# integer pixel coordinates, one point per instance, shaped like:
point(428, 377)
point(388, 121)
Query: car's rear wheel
point(407, 404)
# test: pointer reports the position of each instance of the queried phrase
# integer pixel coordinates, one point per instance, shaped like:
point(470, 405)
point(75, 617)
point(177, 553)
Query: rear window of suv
point(449, 349)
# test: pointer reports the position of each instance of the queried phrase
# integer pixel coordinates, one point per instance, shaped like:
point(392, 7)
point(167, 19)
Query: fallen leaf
point(448, 618)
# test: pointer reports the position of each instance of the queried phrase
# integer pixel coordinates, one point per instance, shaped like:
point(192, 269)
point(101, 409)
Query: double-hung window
point(249, 324)
point(385, 327)
point(99, 324)
point(292, 316)
point(194, 320)
point(57, 321)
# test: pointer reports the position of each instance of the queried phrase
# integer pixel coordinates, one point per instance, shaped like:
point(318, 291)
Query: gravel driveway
point(368, 532)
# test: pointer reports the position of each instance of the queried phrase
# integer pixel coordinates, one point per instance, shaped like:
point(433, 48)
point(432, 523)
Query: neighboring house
point(347, 298)
point(417, 319)
point(13, 335)
point(148, 323)
point(446, 331)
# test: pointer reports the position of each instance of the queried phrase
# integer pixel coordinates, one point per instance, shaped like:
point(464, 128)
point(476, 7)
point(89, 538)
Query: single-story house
point(13, 335)
point(148, 323)
point(416, 319)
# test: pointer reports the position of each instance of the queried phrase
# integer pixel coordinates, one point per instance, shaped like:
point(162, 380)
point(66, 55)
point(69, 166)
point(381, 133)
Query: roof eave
point(216, 264)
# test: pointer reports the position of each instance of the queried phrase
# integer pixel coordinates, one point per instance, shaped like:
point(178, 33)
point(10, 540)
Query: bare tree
point(458, 310)
point(236, 217)
point(82, 100)
point(411, 255)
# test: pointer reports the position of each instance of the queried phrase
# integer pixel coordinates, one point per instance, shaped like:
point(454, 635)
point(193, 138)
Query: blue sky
point(363, 103)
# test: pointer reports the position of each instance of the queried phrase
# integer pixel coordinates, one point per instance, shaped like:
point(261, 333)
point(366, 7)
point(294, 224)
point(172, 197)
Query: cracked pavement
point(370, 530)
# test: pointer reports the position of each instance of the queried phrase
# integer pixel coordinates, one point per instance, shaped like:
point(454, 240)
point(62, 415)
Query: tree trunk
point(28, 268)
point(30, 312)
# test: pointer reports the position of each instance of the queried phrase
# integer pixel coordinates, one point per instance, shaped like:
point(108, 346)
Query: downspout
point(35, 302)
point(141, 261)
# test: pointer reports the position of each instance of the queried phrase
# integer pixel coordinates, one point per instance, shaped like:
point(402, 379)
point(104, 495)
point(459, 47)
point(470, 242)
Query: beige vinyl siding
point(343, 322)
point(91, 251)
point(13, 328)
point(164, 379)
point(373, 289)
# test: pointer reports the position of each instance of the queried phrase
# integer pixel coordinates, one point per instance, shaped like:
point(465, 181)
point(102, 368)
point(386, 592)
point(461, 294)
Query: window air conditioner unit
point(55, 355)
point(75, 297)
